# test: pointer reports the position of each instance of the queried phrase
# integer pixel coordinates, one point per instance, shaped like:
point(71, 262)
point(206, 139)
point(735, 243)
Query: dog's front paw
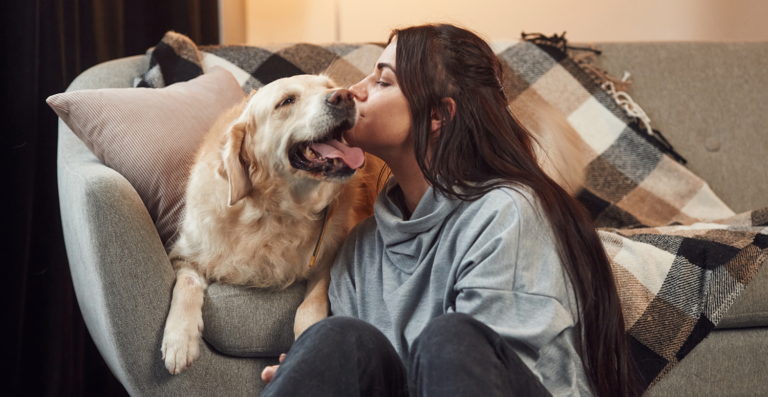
point(181, 344)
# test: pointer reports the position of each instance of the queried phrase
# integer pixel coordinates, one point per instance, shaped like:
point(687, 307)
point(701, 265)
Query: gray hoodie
point(493, 258)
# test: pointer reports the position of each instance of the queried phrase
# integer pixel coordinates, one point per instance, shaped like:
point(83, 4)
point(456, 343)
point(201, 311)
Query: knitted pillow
point(150, 136)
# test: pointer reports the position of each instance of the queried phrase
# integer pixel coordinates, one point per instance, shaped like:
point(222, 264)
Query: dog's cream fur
point(252, 219)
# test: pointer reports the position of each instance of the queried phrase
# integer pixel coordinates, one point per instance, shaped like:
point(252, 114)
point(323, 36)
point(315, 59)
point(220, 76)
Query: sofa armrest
point(121, 273)
point(123, 283)
point(115, 256)
point(118, 73)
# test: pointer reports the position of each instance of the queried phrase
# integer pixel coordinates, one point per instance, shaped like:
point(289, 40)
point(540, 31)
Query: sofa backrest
point(710, 100)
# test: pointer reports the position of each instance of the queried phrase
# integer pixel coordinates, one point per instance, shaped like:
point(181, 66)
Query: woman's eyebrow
point(382, 65)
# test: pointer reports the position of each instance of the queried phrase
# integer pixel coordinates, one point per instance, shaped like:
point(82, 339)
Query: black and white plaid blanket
point(680, 256)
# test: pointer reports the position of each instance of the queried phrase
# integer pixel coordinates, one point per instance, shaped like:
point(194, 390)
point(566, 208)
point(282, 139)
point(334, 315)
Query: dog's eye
point(287, 101)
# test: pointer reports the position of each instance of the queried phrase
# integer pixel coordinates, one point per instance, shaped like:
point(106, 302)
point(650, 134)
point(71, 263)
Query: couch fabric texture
point(80, 175)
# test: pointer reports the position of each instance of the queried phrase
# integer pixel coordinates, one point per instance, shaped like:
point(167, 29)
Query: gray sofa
point(710, 100)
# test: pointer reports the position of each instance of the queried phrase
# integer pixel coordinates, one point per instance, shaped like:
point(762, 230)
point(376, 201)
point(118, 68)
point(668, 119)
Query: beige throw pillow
point(150, 136)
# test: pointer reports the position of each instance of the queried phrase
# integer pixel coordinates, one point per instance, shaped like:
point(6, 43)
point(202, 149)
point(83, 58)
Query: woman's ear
point(237, 162)
point(437, 119)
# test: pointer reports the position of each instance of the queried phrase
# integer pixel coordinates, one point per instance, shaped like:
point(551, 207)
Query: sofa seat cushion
point(250, 322)
point(750, 309)
point(732, 362)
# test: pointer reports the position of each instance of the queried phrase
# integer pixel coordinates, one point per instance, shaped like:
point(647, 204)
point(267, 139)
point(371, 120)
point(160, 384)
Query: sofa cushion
point(150, 136)
point(728, 363)
point(250, 322)
point(750, 309)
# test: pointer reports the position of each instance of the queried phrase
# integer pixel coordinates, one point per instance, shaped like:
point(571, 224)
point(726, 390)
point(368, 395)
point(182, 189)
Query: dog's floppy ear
point(236, 162)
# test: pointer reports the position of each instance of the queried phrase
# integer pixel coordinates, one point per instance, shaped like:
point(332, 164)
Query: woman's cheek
point(360, 134)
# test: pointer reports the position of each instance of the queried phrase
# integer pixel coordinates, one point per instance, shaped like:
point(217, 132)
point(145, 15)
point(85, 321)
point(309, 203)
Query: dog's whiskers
point(329, 66)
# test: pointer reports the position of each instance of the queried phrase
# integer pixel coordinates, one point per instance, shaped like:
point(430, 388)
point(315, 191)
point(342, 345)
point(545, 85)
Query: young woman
point(477, 275)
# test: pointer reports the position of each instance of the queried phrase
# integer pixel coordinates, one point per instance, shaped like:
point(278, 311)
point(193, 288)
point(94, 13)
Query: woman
point(477, 275)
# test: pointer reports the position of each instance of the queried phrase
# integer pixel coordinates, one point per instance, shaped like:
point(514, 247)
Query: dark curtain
point(45, 44)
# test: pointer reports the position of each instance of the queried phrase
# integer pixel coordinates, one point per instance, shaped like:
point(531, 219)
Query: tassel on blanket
point(555, 41)
point(661, 143)
point(634, 110)
point(616, 88)
point(584, 58)
point(586, 61)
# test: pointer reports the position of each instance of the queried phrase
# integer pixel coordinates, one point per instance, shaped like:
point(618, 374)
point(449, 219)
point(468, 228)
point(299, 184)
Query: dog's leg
point(315, 306)
point(184, 326)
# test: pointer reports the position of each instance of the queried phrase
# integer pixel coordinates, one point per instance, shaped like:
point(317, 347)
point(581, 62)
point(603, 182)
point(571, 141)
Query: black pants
point(455, 355)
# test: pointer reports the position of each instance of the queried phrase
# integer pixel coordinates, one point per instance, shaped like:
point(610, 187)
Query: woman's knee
point(448, 332)
point(348, 331)
point(334, 322)
point(337, 327)
point(450, 326)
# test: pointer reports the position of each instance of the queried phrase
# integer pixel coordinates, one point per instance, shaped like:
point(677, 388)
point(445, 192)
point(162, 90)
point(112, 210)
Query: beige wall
point(323, 21)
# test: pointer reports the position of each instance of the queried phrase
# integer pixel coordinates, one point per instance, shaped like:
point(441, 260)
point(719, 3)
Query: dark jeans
point(455, 355)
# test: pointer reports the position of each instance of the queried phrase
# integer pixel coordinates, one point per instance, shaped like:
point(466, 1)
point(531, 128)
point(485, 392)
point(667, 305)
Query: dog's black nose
point(341, 98)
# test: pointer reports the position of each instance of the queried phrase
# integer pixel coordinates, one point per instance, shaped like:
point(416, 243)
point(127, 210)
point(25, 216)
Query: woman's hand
point(269, 372)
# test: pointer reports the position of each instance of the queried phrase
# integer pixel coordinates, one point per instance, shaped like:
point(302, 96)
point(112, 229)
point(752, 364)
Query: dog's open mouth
point(328, 155)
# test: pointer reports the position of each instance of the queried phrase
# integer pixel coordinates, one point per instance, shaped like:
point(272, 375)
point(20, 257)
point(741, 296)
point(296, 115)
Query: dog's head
point(292, 128)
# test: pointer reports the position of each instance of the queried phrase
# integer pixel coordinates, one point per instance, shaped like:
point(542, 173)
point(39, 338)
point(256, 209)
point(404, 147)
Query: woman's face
point(384, 126)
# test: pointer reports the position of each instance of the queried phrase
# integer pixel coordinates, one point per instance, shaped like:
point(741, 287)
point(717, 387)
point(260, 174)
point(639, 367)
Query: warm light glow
point(311, 21)
point(324, 21)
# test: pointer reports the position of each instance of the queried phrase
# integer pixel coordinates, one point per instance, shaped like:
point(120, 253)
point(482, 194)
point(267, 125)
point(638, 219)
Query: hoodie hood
point(411, 238)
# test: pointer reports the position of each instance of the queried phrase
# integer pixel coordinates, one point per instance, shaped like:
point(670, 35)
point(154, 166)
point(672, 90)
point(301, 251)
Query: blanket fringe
point(585, 57)
point(586, 61)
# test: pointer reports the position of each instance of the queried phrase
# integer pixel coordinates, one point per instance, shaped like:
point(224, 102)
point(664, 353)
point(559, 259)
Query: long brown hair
point(483, 147)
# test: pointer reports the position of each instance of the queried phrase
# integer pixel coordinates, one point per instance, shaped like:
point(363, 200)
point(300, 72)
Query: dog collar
point(320, 237)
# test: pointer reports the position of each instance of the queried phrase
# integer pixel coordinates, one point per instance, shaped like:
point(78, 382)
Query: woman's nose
point(358, 91)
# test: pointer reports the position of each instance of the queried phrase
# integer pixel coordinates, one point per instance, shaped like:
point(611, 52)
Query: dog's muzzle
point(329, 155)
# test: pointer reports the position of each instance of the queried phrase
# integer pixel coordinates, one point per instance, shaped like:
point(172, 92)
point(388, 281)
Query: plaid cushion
point(675, 282)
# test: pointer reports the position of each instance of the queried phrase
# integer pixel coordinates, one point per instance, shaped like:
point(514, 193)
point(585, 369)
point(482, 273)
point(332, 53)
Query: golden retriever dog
point(273, 182)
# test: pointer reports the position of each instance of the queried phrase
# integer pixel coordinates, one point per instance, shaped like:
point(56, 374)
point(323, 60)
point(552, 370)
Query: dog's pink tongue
point(353, 157)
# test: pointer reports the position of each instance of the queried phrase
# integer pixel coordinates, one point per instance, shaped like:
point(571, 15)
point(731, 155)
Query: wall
point(323, 21)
